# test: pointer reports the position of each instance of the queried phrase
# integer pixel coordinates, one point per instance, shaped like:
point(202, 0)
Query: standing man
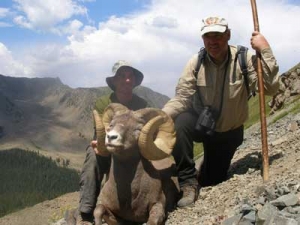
point(211, 106)
point(124, 80)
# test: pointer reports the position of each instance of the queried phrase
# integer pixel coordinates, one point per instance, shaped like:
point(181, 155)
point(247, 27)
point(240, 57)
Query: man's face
point(216, 44)
point(124, 81)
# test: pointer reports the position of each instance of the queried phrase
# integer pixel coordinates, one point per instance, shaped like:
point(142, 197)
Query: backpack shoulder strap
point(242, 57)
point(201, 56)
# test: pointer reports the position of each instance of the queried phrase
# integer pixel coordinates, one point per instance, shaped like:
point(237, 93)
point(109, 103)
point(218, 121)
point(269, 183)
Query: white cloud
point(4, 12)
point(45, 14)
point(4, 24)
point(162, 21)
point(10, 66)
point(158, 41)
point(23, 22)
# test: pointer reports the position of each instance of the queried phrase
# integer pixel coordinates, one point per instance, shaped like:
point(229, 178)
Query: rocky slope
point(289, 89)
point(245, 198)
point(245, 193)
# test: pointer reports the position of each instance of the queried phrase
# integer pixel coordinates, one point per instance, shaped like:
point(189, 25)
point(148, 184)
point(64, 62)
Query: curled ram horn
point(157, 138)
point(100, 133)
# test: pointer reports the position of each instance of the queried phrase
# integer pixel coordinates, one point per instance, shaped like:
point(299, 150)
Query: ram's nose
point(112, 136)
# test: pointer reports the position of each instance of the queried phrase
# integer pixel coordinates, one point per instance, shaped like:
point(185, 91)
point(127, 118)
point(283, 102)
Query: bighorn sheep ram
point(142, 185)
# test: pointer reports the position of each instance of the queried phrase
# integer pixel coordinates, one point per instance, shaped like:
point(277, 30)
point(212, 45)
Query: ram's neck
point(124, 171)
point(125, 175)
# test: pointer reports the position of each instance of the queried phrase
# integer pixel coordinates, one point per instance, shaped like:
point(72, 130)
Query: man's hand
point(258, 41)
point(94, 145)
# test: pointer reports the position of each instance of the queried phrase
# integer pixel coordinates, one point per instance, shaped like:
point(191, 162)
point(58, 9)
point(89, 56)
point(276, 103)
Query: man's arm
point(269, 64)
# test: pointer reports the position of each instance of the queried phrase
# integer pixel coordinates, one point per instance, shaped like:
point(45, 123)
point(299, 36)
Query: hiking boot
point(85, 219)
point(189, 195)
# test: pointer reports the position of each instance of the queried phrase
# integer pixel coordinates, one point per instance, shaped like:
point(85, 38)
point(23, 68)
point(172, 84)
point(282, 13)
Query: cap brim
point(215, 28)
point(138, 78)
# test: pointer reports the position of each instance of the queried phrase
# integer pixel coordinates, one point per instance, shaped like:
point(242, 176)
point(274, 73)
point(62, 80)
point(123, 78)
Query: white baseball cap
point(213, 24)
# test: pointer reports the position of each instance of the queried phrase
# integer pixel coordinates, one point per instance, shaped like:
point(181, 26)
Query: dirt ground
point(43, 213)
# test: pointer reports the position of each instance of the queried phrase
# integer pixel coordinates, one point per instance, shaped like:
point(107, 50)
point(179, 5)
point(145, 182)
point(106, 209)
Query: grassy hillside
point(254, 111)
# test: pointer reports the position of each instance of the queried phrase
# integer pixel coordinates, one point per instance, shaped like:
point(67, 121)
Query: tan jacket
point(210, 81)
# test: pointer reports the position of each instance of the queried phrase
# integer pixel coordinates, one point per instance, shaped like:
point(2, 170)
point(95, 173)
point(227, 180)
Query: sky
point(80, 40)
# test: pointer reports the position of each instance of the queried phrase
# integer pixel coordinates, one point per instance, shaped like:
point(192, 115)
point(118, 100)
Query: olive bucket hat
point(119, 64)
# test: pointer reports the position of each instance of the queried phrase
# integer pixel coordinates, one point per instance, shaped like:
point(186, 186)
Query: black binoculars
point(206, 123)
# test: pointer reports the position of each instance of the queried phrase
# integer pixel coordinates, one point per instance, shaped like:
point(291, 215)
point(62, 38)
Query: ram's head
point(121, 131)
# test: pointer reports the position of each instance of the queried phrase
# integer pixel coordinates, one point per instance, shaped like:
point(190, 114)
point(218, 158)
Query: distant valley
point(44, 114)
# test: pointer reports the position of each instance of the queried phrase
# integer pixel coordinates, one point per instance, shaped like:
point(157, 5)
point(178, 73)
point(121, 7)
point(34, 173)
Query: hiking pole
point(261, 101)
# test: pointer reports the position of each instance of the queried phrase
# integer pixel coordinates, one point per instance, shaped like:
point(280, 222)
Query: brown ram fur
point(137, 190)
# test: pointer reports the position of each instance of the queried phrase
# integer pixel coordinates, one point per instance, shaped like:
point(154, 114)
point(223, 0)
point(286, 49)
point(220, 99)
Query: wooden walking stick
point(261, 101)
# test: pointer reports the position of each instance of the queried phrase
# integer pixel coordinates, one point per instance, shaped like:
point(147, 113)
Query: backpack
point(241, 56)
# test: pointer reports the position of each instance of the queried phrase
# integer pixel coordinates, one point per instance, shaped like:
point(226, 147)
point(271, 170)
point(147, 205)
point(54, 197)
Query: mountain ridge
point(44, 113)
